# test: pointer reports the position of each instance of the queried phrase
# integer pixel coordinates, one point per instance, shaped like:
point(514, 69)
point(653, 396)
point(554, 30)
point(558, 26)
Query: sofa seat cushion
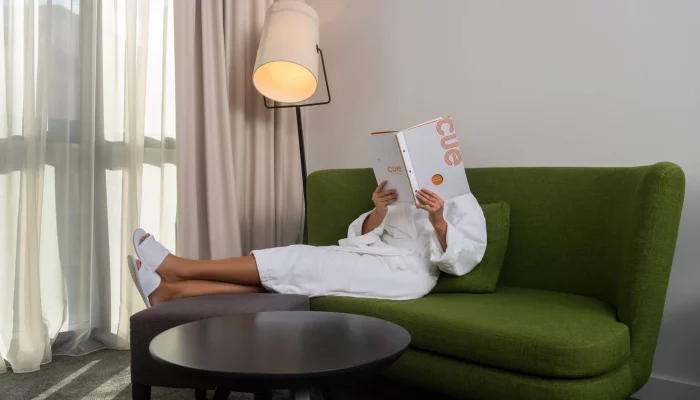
point(538, 332)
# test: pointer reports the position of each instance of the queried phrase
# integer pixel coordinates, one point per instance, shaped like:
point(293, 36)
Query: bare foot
point(162, 293)
point(169, 268)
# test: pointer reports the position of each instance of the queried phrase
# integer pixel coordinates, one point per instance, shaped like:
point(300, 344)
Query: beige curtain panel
point(239, 181)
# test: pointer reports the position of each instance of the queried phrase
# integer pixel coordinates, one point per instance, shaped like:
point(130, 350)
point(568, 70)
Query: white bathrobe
point(398, 260)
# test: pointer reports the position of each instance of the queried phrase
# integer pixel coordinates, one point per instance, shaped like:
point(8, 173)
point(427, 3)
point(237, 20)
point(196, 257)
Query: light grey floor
point(105, 375)
point(102, 375)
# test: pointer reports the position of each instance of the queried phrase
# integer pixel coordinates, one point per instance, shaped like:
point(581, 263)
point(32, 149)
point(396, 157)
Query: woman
point(392, 252)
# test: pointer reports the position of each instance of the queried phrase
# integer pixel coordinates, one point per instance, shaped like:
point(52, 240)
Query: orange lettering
point(452, 156)
point(447, 121)
point(456, 157)
point(446, 139)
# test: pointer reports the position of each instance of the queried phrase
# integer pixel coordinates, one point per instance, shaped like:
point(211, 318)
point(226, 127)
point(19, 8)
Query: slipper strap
point(148, 280)
point(151, 253)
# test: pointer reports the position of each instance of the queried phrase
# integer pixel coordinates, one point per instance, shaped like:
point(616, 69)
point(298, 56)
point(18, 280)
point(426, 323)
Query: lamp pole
point(302, 157)
point(300, 132)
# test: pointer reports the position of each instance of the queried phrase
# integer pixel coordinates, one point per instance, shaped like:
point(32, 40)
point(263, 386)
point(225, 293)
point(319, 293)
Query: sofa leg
point(140, 392)
point(200, 394)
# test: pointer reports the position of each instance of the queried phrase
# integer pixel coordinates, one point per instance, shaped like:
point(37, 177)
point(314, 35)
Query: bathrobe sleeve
point(357, 239)
point(466, 237)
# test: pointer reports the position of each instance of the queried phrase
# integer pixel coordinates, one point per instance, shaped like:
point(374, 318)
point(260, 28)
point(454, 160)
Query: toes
point(144, 237)
point(138, 264)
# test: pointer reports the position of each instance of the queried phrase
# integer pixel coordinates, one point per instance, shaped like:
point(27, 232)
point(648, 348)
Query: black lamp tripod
point(300, 131)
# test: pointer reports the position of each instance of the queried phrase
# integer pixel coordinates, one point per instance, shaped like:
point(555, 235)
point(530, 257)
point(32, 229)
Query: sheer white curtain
point(87, 154)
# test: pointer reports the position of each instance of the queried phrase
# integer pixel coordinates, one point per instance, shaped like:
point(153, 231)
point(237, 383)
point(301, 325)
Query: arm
point(381, 199)
point(372, 222)
point(441, 233)
point(434, 205)
point(459, 240)
point(368, 227)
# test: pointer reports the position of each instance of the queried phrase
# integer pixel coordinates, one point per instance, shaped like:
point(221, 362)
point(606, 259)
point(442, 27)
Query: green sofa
point(580, 298)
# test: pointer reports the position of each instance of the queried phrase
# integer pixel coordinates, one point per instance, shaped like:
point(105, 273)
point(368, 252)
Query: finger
point(422, 207)
point(434, 199)
point(380, 188)
point(424, 198)
point(420, 198)
point(388, 197)
point(387, 192)
point(431, 194)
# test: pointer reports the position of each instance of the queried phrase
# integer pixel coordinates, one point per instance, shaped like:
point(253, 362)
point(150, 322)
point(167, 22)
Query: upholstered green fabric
point(471, 381)
point(335, 199)
point(538, 332)
point(608, 233)
point(604, 233)
point(484, 277)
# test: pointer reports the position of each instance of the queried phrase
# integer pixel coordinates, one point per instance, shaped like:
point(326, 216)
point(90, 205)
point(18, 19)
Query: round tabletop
point(282, 348)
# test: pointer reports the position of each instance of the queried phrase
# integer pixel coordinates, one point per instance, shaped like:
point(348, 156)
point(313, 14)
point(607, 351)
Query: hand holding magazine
point(425, 156)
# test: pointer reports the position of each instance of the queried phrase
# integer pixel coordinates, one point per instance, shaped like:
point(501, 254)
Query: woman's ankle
point(172, 268)
point(162, 294)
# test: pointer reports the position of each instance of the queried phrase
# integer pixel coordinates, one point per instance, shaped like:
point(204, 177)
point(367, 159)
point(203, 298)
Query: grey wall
point(539, 82)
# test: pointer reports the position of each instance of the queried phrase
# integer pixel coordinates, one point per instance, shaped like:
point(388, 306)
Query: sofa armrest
point(647, 247)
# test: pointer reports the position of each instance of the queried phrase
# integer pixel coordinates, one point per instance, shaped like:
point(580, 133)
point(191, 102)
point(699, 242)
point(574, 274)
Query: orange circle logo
point(437, 179)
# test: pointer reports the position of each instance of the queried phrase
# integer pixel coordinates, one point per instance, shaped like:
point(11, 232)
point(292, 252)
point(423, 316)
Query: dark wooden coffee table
point(294, 350)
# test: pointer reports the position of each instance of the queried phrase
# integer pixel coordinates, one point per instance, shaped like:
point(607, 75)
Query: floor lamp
point(286, 67)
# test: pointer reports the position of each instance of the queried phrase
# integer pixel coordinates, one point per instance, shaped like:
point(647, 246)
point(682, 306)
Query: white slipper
point(145, 280)
point(150, 252)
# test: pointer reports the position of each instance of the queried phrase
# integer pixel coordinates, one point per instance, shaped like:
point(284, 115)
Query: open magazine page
point(388, 164)
point(436, 158)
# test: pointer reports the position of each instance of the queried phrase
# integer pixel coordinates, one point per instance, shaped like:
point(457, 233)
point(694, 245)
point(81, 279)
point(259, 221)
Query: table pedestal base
point(301, 394)
point(221, 394)
point(297, 394)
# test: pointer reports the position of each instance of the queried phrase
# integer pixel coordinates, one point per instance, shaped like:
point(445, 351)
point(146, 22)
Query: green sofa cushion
point(484, 277)
point(466, 380)
point(538, 332)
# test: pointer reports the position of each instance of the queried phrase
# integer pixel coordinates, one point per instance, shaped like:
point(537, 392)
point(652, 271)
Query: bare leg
point(168, 291)
point(240, 270)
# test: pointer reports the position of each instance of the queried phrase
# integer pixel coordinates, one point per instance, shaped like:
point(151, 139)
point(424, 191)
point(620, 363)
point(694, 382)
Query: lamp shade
point(286, 67)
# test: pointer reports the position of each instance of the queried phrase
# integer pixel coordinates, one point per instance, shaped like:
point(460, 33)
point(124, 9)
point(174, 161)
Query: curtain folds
point(87, 154)
point(239, 176)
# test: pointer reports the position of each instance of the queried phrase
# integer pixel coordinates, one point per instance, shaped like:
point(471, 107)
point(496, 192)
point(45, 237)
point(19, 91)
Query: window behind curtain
point(87, 153)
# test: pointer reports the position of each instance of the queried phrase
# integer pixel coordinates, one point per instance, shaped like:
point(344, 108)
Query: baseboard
point(665, 389)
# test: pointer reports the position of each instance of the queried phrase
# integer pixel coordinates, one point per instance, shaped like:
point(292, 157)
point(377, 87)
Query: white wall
point(539, 82)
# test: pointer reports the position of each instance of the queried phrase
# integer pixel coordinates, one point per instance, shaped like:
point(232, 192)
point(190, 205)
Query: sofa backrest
point(568, 225)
